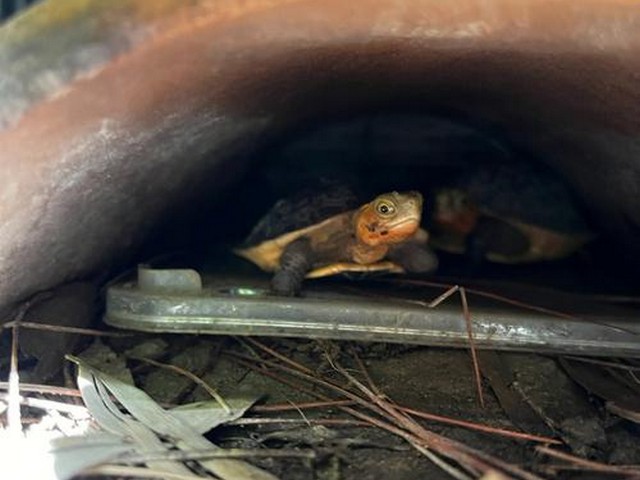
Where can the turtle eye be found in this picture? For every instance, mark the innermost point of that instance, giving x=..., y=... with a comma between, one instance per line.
x=385, y=209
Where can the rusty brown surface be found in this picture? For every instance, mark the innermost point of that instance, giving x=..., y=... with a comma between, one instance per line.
x=91, y=158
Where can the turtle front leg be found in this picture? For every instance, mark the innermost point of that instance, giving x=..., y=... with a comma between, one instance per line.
x=296, y=260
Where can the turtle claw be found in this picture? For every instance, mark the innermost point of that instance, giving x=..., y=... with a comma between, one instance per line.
x=284, y=284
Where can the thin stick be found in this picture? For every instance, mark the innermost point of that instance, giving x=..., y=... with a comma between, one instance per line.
x=279, y=356
x=486, y=294
x=13, y=403
x=421, y=432
x=443, y=297
x=365, y=373
x=67, y=329
x=191, y=376
x=50, y=389
x=284, y=407
x=202, y=454
x=604, y=363
x=414, y=440
x=416, y=434
x=480, y=427
x=418, y=413
x=588, y=464
x=472, y=345
x=40, y=403
x=454, y=472
x=509, y=301
x=281, y=421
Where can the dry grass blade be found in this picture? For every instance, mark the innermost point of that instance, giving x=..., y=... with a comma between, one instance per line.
x=151, y=428
x=121, y=471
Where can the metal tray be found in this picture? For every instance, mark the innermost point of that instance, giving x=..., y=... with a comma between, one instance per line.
x=176, y=301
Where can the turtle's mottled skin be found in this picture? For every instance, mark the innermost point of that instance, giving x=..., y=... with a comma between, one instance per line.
x=315, y=235
x=508, y=213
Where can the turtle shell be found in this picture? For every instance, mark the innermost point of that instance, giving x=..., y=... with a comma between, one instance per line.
x=291, y=218
x=528, y=193
x=307, y=208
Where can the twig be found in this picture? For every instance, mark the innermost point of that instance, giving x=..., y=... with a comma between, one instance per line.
x=284, y=407
x=311, y=421
x=441, y=298
x=13, y=403
x=604, y=363
x=13, y=407
x=406, y=428
x=481, y=428
x=486, y=294
x=507, y=300
x=66, y=329
x=50, y=389
x=279, y=356
x=434, y=440
x=365, y=373
x=418, y=413
x=198, y=454
x=391, y=428
x=194, y=378
x=472, y=345
x=451, y=470
x=43, y=404
x=589, y=464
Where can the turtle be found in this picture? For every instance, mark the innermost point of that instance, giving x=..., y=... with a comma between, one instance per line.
x=316, y=234
x=513, y=213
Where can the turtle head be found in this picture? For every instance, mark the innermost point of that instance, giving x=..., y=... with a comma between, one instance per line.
x=453, y=211
x=390, y=218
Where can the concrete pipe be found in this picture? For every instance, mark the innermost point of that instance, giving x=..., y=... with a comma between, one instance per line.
x=113, y=113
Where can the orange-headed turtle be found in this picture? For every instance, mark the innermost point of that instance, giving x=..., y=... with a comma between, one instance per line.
x=317, y=234
x=508, y=213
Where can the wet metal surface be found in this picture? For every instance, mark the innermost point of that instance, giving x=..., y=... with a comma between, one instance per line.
x=248, y=309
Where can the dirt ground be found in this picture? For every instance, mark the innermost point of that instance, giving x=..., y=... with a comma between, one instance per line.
x=534, y=395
